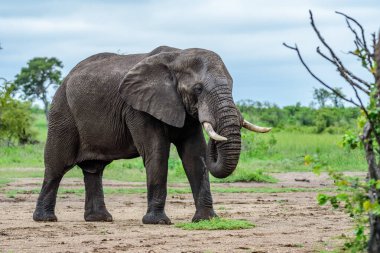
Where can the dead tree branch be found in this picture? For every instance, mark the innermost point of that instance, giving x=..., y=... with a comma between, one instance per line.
x=361, y=41
x=343, y=71
x=295, y=48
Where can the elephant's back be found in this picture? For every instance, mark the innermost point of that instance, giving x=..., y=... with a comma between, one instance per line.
x=103, y=67
x=94, y=82
x=93, y=97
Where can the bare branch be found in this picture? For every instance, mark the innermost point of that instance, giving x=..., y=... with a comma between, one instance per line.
x=373, y=35
x=360, y=101
x=357, y=38
x=350, y=74
x=344, y=72
x=324, y=56
x=295, y=48
x=47, y=86
x=362, y=40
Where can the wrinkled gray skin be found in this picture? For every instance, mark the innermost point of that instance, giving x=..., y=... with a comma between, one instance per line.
x=123, y=106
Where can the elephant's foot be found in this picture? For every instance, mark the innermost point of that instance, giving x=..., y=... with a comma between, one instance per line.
x=156, y=218
x=98, y=215
x=204, y=214
x=41, y=215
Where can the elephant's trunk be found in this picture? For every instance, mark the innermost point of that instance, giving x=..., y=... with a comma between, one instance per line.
x=223, y=156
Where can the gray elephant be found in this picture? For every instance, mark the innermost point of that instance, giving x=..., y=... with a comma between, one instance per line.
x=123, y=106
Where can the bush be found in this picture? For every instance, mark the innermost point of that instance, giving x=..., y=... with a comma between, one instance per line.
x=15, y=118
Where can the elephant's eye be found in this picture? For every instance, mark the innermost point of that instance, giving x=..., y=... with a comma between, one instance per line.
x=198, y=88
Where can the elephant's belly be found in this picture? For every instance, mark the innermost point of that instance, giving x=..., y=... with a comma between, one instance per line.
x=106, y=145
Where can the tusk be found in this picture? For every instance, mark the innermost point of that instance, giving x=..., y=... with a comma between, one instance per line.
x=255, y=128
x=213, y=135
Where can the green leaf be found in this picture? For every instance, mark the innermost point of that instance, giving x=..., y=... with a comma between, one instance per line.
x=342, y=197
x=377, y=185
x=322, y=199
x=334, y=202
x=308, y=159
x=367, y=205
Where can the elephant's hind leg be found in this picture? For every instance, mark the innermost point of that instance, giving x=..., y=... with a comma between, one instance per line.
x=59, y=157
x=46, y=200
x=60, y=153
x=95, y=208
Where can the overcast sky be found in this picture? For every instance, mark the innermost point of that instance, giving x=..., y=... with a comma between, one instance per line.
x=248, y=35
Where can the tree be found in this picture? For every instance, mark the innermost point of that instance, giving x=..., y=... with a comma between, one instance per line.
x=15, y=116
x=322, y=96
x=369, y=58
x=35, y=80
x=335, y=99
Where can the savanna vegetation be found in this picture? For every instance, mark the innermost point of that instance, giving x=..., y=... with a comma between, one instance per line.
x=281, y=150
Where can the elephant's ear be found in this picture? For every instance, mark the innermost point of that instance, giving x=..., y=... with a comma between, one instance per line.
x=151, y=86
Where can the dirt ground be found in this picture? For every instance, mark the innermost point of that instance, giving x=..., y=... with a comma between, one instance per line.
x=285, y=222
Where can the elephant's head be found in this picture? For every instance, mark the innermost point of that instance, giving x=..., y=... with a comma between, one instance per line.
x=173, y=82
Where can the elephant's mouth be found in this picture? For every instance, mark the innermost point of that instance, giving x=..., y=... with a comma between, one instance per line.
x=223, y=150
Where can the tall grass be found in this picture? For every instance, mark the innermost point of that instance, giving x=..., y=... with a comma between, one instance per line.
x=284, y=151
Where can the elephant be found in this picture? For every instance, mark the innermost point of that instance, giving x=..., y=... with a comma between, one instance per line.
x=113, y=106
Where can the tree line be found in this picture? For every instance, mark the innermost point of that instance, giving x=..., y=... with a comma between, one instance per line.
x=331, y=119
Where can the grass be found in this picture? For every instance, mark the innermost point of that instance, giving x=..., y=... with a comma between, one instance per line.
x=29, y=156
x=284, y=151
x=285, y=155
x=4, y=181
x=245, y=175
x=216, y=224
x=261, y=154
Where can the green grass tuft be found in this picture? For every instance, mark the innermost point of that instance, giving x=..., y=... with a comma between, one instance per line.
x=247, y=175
x=216, y=224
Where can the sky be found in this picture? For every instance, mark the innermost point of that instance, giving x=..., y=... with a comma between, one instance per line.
x=247, y=34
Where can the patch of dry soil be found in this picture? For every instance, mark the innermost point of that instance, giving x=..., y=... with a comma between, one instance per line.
x=285, y=222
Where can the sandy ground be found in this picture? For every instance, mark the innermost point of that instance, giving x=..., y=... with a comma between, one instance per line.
x=285, y=222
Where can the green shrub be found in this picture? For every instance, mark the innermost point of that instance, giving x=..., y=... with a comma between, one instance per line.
x=15, y=118
x=352, y=196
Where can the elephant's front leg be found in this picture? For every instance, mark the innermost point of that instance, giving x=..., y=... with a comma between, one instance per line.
x=156, y=164
x=192, y=151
